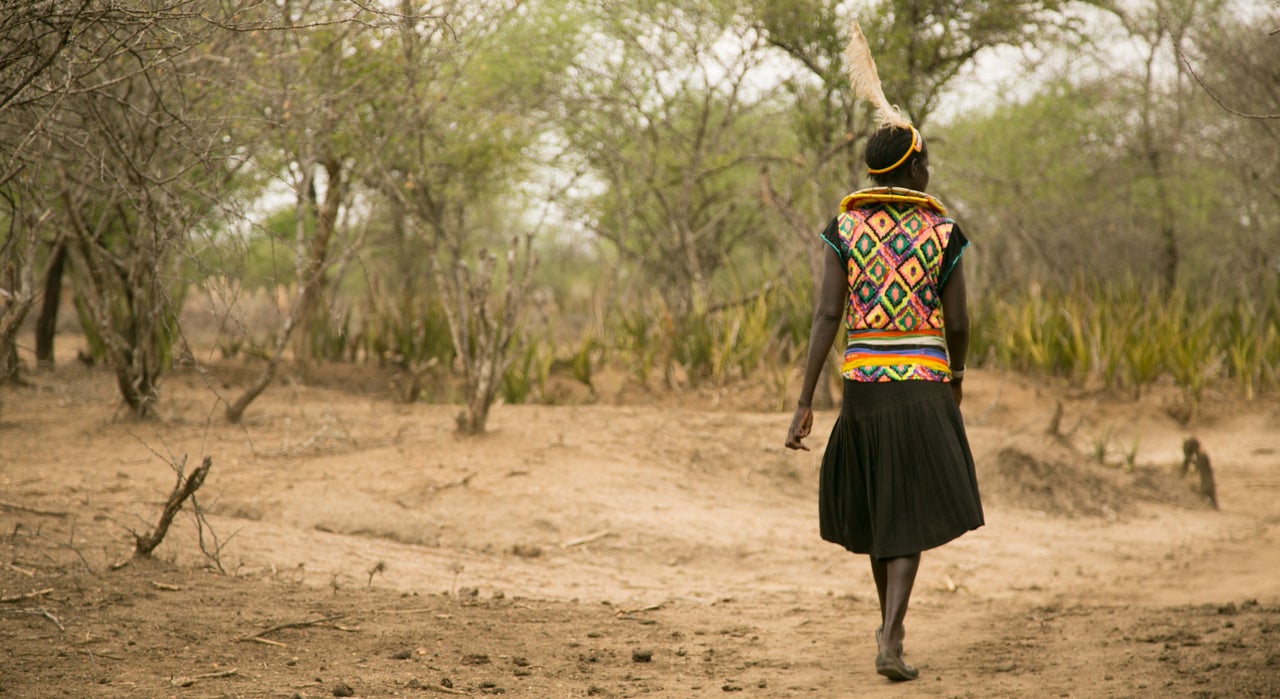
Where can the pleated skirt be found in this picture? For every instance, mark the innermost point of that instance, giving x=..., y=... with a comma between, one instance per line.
x=897, y=475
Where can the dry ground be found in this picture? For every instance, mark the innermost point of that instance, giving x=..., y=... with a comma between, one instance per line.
x=667, y=548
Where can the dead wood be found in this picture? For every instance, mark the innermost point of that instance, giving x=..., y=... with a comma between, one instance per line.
x=586, y=539
x=29, y=595
x=183, y=489
x=1193, y=454
x=439, y=688
x=41, y=611
x=23, y=508
x=188, y=681
x=258, y=637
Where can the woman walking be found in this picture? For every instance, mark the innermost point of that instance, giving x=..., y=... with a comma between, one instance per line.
x=897, y=475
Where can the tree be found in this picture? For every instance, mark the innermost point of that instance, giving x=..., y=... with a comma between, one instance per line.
x=140, y=160
x=18, y=261
x=41, y=54
x=664, y=115
x=308, y=89
x=1234, y=60
x=1140, y=177
x=458, y=132
x=1160, y=29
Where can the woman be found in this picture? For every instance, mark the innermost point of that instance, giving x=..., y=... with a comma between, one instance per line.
x=897, y=476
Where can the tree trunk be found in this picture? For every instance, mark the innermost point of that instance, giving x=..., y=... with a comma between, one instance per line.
x=9, y=356
x=314, y=280
x=47, y=321
x=235, y=411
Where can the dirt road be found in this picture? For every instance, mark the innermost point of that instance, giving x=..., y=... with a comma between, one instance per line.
x=668, y=549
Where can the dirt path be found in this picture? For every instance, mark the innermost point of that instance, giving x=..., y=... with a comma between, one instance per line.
x=668, y=550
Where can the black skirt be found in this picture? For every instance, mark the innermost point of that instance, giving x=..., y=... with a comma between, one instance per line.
x=897, y=476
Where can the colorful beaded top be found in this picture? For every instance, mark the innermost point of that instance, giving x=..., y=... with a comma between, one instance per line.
x=898, y=247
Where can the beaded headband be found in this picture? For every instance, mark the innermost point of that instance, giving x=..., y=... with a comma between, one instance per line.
x=917, y=145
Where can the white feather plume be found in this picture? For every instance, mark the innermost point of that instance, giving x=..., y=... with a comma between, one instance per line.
x=866, y=79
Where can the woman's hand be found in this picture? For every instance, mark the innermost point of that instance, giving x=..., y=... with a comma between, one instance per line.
x=801, y=424
x=957, y=390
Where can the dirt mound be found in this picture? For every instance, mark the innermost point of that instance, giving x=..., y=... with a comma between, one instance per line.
x=1049, y=476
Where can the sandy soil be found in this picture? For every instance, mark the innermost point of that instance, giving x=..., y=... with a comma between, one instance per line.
x=667, y=547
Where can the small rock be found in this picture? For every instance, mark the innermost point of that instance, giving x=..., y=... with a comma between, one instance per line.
x=475, y=659
x=446, y=683
x=342, y=689
x=520, y=661
x=641, y=656
x=402, y=655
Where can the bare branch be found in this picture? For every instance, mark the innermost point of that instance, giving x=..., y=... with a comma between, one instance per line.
x=1208, y=91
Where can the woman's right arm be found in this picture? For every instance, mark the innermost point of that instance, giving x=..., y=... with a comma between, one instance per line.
x=955, y=316
x=827, y=314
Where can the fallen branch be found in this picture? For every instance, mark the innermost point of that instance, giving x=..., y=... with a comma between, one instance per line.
x=92, y=654
x=29, y=595
x=586, y=539
x=183, y=489
x=627, y=612
x=165, y=586
x=459, y=483
x=32, y=510
x=290, y=625
x=442, y=689
x=49, y=615
x=188, y=681
x=41, y=612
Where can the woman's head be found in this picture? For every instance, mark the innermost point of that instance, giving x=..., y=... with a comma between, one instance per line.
x=896, y=156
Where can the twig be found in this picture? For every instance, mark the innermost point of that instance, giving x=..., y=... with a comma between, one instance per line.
x=291, y=625
x=443, y=689
x=165, y=586
x=41, y=612
x=733, y=303
x=267, y=642
x=424, y=610
x=92, y=654
x=29, y=595
x=49, y=615
x=32, y=510
x=586, y=539
x=1178, y=50
x=459, y=483
x=1055, y=423
x=202, y=525
x=650, y=608
x=188, y=681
